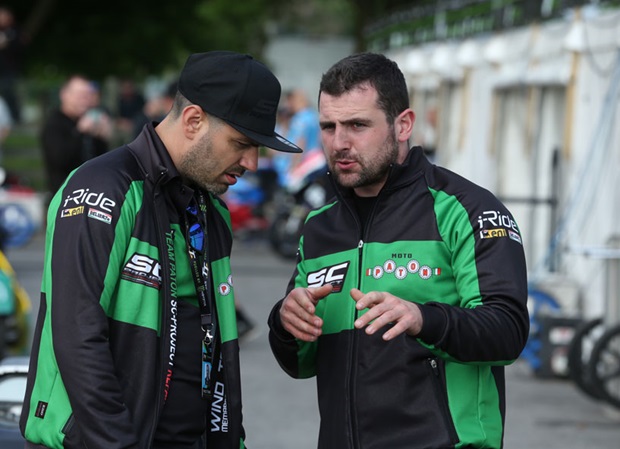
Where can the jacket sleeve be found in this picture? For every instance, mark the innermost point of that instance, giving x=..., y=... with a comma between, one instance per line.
x=291, y=354
x=283, y=344
x=85, y=225
x=491, y=323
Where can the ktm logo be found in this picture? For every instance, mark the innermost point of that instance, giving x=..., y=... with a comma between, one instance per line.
x=334, y=275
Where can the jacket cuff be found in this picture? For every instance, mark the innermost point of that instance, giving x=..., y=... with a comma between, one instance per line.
x=434, y=322
x=277, y=329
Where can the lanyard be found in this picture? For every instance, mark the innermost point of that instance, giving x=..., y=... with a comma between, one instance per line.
x=197, y=247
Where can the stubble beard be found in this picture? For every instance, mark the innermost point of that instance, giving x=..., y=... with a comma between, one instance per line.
x=200, y=167
x=371, y=171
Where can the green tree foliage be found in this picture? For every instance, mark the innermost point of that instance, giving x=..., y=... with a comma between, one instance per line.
x=134, y=37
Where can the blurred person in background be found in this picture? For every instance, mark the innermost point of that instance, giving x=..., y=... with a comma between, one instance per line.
x=6, y=124
x=410, y=290
x=97, y=125
x=156, y=108
x=75, y=132
x=305, y=132
x=281, y=162
x=129, y=108
x=12, y=45
x=303, y=127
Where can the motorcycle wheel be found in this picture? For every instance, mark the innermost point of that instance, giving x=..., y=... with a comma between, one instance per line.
x=282, y=241
x=579, y=353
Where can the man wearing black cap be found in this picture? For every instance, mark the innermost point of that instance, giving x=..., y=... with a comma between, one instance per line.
x=135, y=344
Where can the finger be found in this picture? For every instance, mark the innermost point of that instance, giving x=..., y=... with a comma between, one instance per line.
x=303, y=336
x=399, y=328
x=367, y=300
x=300, y=308
x=296, y=319
x=385, y=318
x=356, y=294
x=303, y=331
x=301, y=298
x=321, y=292
x=374, y=318
x=301, y=328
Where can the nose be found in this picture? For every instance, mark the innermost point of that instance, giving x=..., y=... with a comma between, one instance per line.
x=249, y=161
x=341, y=138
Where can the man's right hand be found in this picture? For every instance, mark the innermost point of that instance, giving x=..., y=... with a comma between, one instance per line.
x=297, y=313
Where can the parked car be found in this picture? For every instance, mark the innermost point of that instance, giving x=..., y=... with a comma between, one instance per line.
x=13, y=373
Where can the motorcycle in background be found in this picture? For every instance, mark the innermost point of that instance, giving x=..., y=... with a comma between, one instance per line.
x=248, y=201
x=14, y=311
x=307, y=187
x=21, y=211
x=21, y=214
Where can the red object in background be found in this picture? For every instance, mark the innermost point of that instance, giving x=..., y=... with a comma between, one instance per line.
x=242, y=218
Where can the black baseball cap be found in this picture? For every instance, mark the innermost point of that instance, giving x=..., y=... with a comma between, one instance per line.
x=239, y=90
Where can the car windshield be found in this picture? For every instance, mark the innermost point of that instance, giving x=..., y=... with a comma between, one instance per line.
x=12, y=389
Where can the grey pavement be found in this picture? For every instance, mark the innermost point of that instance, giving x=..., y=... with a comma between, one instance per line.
x=280, y=412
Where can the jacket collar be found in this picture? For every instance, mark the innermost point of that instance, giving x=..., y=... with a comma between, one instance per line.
x=157, y=164
x=412, y=168
x=153, y=156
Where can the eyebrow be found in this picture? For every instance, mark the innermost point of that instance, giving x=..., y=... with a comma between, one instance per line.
x=347, y=122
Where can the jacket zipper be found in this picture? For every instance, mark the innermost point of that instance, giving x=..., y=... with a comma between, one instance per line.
x=354, y=344
x=352, y=366
x=167, y=295
x=440, y=394
x=360, y=246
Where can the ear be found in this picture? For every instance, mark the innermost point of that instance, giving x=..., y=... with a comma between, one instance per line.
x=403, y=125
x=193, y=120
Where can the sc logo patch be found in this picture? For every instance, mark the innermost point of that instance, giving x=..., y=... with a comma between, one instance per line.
x=143, y=270
x=334, y=275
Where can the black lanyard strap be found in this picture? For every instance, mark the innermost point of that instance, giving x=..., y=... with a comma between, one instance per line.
x=197, y=247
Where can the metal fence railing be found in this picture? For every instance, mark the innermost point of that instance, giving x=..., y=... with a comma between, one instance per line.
x=457, y=19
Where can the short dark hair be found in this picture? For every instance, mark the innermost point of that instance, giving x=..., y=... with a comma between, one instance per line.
x=375, y=69
x=180, y=103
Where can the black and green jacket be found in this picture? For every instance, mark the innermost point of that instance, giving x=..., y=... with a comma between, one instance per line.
x=446, y=244
x=116, y=264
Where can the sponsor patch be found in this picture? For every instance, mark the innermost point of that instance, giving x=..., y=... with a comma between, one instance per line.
x=41, y=409
x=224, y=288
x=376, y=272
x=71, y=212
x=400, y=272
x=334, y=275
x=496, y=219
x=493, y=233
x=494, y=224
x=514, y=236
x=99, y=215
x=389, y=266
x=143, y=270
x=85, y=196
